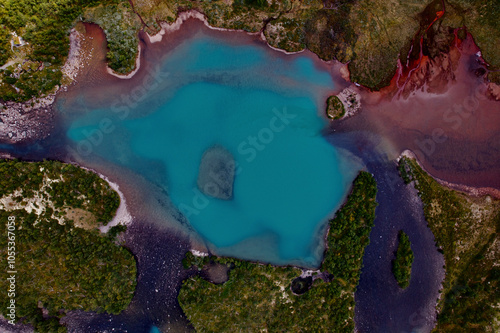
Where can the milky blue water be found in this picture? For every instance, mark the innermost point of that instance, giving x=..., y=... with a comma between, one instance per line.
x=154, y=329
x=262, y=108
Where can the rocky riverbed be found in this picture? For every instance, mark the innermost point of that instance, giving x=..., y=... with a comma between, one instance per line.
x=31, y=120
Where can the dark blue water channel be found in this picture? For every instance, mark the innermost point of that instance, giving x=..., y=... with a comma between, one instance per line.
x=210, y=92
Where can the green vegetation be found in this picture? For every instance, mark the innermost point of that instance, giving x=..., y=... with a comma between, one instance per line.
x=370, y=35
x=251, y=3
x=301, y=285
x=61, y=267
x=59, y=188
x=121, y=26
x=258, y=296
x=405, y=170
x=467, y=231
x=401, y=265
x=287, y=30
x=334, y=108
x=45, y=26
x=116, y=230
x=480, y=17
x=4, y=45
x=286, y=33
x=382, y=29
x=191, y=260
x=330, y=34
x=350, y=232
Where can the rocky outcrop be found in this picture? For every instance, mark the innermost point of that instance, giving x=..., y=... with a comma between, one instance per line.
x=26, y=121
x=34, y=119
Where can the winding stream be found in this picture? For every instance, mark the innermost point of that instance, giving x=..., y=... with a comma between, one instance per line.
x=204, y=88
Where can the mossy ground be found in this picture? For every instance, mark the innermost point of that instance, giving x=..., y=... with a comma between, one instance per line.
x=334, y=108
x=5, y=51
x=467, y=231
x=45, y=26
x=56, y=187
x=121, y=26
x=61, y=267
x=258, y=297
x=369, y=34
x=401, y=265
x=480, y=17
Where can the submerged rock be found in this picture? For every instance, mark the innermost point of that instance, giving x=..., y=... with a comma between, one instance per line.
x=216, y=173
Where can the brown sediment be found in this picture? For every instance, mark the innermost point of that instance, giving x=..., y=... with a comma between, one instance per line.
x=182, y=17
x=472, y=191
x=406, y=72
x=95, y=73
x=446, y=118
x=469, y=190
x=431, y=75
x=93, y=51
x=444, y=96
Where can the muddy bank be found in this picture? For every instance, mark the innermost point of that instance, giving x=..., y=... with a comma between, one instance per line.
x=469, y=190
x=95, y=74
x=454, y=132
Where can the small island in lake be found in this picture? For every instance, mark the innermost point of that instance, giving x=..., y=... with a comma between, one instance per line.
x=401, y=265
x=232, y=132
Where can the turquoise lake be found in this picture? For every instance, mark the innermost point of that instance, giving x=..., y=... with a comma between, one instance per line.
x=262, y=107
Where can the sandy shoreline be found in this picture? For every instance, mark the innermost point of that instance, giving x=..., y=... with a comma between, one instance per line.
x=165, y=30
x=75, y=58
x=122, y=215
x=469, y=190
x=131, y=74
x=73, y=63
x=181, y=18
x=263, y=38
